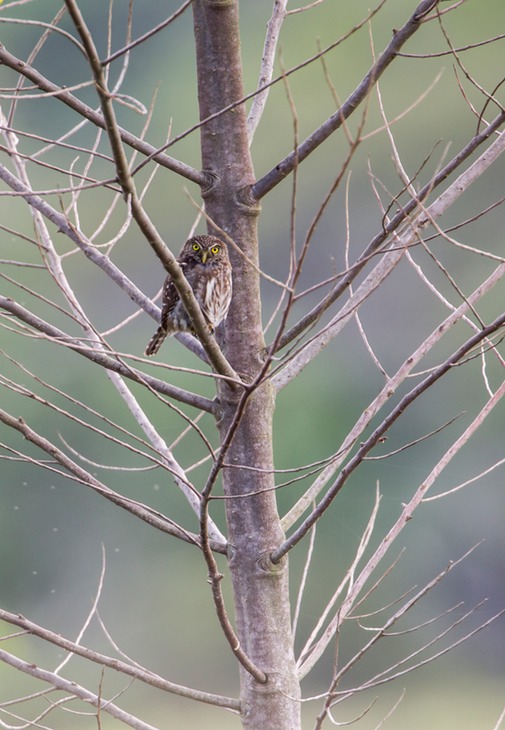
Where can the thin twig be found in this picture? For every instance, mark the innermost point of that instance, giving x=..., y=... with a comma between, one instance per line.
x=50, y=332
x=380, y=431
x=143, y=675
x=345, y=609
x=148, y=34
x=19, y=66
x=379, y=240
x=168, y=259
x=424, y=218
x=75, y=690
x=267, y=66
x=246, y=97
x=321, y=134
x=76, y=472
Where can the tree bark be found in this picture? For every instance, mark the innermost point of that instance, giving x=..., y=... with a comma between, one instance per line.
x=260, y=589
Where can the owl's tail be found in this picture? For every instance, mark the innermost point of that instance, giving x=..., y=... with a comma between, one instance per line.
x=155, y=342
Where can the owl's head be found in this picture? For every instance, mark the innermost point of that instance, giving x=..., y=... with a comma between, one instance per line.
x=205, y=250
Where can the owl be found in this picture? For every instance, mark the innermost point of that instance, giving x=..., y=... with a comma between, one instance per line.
x=205, y=263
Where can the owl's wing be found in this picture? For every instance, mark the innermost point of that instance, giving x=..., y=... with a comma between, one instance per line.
x=170, y=299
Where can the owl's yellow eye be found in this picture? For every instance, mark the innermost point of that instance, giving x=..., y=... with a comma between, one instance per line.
x=196, y=247
x=215, y=249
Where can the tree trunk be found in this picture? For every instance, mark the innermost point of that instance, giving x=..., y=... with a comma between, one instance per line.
x=261, y=594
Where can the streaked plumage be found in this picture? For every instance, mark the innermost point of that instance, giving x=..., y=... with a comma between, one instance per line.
x=205, y=263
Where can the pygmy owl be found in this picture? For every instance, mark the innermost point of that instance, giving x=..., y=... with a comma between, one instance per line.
x=205, y=263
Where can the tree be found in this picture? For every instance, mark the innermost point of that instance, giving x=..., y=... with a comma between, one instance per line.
x=83, y=209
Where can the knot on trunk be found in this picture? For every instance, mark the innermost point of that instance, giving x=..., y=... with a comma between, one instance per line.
x=268, y=567
x=247, y=202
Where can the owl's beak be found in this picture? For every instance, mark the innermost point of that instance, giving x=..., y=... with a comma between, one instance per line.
x=204, y=256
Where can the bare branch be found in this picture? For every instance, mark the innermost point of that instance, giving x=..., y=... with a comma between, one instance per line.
x=142, y=511
x=234, y=104
x=320, y=135
x=125, y=178
x=347, y=581
x=99, y=357
x=215, y=576
x=308, y=661
x=390, y=260
x=96, y=118
x=500, y=720
x=376, y=682
x=149, y=34
x=453, y=51
x=91, y=252
x=418, y=498
x=51, y=27
x=143, y=675
x=304, y=8
x=166, y=455
x=228, y=460
x=378, y=241
x=303, y=581
x=393, y=415
x=267, y=66
x=55, y=268
x=75, y=690
x=476, y=478
x=414, y=442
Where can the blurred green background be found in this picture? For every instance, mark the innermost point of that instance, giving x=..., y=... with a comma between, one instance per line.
x=156, y=602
